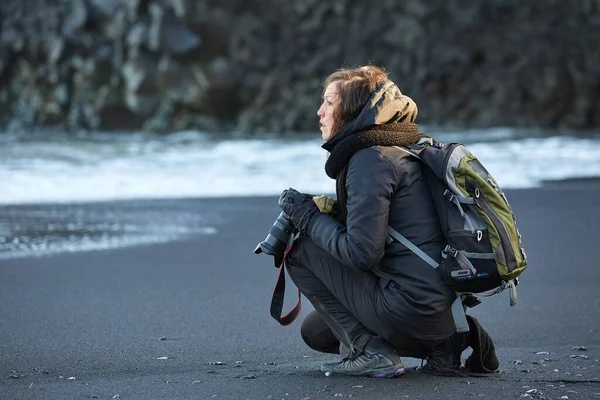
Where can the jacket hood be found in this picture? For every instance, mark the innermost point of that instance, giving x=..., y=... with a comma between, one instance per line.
x=386, y=105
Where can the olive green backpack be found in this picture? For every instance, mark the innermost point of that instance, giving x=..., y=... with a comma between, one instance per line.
x=484, y=254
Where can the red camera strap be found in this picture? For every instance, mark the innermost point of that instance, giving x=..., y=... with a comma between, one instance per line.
x=279, y=294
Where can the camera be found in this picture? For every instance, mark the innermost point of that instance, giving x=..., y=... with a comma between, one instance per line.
x=277, y=239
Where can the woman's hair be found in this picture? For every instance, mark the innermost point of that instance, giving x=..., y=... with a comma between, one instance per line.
x=356, y=85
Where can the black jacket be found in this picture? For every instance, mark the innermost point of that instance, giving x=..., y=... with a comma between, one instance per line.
x=386, y=186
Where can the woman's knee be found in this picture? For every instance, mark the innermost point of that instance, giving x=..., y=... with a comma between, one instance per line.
x=316, y=334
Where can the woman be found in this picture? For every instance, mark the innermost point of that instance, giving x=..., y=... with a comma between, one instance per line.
x=374, y=299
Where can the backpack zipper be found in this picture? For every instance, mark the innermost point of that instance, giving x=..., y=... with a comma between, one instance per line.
x=482, y=202
x=501, y=193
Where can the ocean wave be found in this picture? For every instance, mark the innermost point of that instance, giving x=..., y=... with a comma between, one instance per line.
x=98, y=167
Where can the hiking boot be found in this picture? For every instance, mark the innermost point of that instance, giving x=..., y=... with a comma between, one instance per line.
x=444, y=358
x=371, y=362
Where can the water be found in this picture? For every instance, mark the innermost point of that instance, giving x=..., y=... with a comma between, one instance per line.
x=56, y=174
x=65, y=169
x=59, y=228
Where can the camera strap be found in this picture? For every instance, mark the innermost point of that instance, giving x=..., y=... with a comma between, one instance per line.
x=279, y=293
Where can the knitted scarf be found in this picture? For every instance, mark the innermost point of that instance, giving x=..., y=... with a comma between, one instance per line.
x=336, y=167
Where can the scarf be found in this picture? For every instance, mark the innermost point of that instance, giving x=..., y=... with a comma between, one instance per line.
x=336, y=167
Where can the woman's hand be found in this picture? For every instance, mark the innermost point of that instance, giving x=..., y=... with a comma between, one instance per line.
x=300, y=208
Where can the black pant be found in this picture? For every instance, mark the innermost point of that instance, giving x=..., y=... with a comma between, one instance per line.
x=350, y=307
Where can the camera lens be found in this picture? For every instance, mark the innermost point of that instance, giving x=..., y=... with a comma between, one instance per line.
x=277, y=239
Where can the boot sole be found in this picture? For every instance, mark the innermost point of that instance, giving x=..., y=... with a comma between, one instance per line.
x=395, y=374
x=449, y=372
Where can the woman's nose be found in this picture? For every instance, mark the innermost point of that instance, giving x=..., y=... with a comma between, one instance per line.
x=320, y=112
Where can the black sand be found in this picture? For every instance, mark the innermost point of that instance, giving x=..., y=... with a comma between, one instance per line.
x=99, y=316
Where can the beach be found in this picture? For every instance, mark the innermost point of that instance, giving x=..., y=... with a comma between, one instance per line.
x=189, y=318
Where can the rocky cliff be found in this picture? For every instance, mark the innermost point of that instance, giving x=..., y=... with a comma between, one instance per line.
x=258, y=64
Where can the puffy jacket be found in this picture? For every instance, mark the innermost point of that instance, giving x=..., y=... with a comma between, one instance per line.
x=385, y=186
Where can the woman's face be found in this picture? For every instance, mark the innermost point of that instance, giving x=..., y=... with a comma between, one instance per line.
x=325, y=112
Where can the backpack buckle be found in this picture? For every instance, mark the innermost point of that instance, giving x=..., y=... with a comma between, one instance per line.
x=469, y=300
x=449, y=195
x=448, y=250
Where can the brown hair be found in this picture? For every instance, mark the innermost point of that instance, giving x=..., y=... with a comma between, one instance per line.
x=356, y=85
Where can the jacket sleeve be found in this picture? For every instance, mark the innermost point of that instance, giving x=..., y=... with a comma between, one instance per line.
x=370, y=183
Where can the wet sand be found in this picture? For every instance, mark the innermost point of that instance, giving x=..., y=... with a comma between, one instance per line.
x=190, y=318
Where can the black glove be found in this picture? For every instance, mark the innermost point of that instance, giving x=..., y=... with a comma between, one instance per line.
x=300, y=208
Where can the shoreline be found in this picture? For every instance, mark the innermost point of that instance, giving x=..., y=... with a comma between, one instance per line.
x=53, y=234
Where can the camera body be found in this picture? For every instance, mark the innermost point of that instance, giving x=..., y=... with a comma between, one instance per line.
x=277, y=239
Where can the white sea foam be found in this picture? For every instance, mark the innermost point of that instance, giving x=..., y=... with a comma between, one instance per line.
x=65, y=169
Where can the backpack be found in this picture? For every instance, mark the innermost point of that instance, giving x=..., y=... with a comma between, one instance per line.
x=484, y=253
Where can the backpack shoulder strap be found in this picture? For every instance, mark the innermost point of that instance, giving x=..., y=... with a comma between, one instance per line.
x=415, y=149
x=458, y=310
x=409, y=151
x=411, y=246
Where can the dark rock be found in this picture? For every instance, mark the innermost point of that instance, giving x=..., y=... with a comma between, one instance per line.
x=177, y=39
x=104, y=8
x=257, y=65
